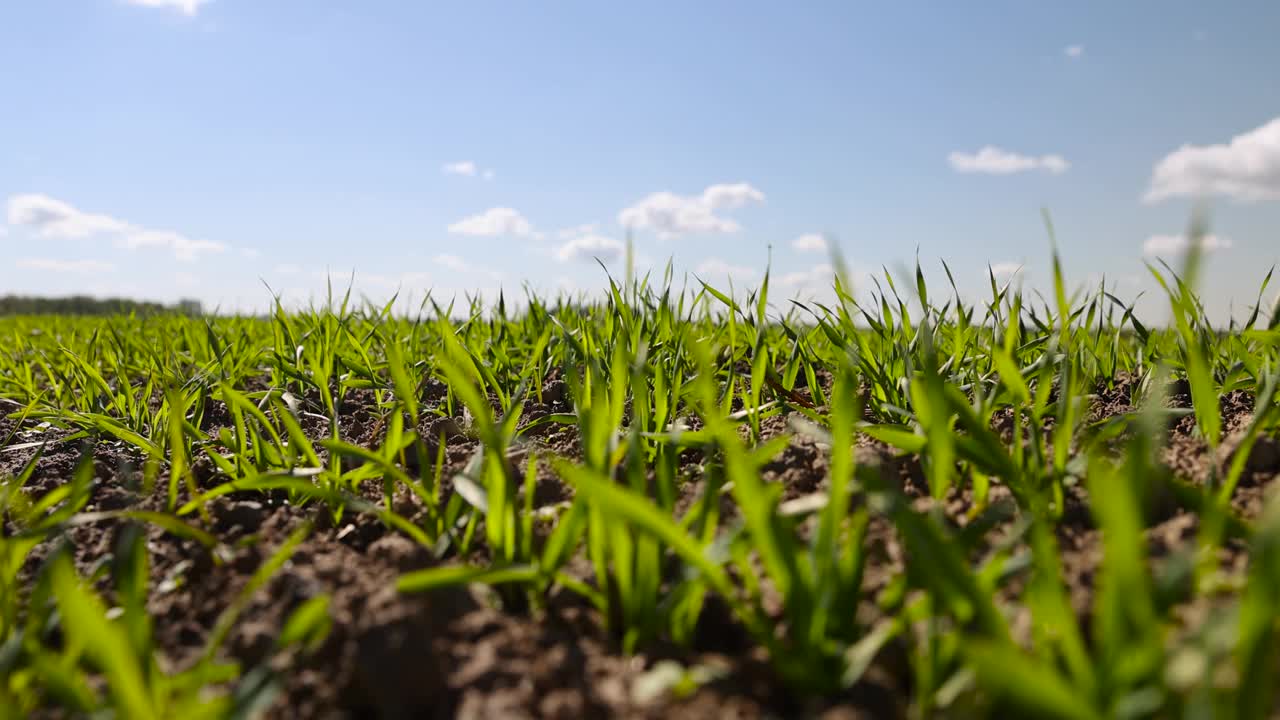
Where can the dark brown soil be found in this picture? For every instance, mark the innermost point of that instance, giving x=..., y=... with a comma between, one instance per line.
x=456, y=654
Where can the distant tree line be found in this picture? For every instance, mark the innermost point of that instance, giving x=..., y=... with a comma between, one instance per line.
x=85, y=305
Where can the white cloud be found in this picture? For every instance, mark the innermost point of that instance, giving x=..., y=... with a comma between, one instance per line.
x=575, y=231
x=410, y=281
x=1246, y=169
x=671, y=215
x=1166, y=245
x=810, y=242
x=184, y=249
x=718, y=267
x=70, y=267
x=466, y=168
x=1073, y=51
x=818, y=277
x=251, y=253
x=340, y=280
x=493, y=222
x=52, y=218
x=452, y=262
x=115, y=289
x=817, y=283
x=731, y=195
x=186, y=7
x=455, y=264
x=590, y=246
x=995, y=161
x=1006, y=269
x=300, y=285
x=55, y=219
x=185, y=279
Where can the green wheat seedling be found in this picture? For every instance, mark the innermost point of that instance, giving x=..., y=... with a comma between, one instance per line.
x=636, y=452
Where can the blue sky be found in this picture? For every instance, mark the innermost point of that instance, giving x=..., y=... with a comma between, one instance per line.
x=187, y=148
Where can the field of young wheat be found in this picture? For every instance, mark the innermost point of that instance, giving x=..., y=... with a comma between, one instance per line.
x=674, y=501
